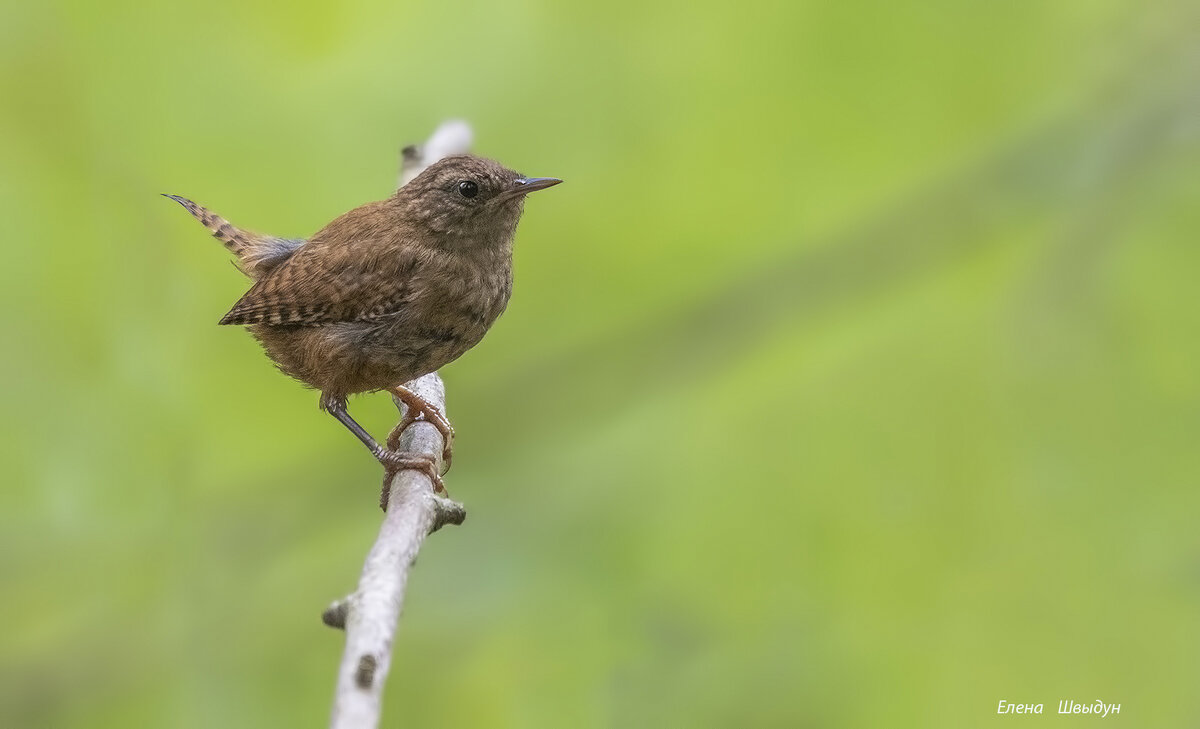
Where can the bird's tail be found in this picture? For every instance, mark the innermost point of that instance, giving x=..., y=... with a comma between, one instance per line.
x=257, y=254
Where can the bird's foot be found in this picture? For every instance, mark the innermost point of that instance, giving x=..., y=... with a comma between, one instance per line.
x=396, y=461
x=418, y=408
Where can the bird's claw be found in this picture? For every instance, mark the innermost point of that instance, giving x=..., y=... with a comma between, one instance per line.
x=396, y=461
x=416, y=408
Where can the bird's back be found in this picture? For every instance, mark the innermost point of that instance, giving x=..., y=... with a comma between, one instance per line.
x=355, y=268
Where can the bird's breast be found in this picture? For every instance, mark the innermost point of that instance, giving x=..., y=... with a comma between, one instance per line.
x=453, y=307
x=480, y=297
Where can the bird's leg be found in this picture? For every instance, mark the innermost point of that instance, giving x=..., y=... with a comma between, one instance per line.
x=418, y=408
x=392, y=461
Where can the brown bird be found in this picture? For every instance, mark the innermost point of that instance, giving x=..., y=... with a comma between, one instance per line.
x=386, y=293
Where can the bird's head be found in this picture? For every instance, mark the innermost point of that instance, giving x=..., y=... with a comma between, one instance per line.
x=469, y=200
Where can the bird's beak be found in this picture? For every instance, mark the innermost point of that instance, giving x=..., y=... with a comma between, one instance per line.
x=529, y=184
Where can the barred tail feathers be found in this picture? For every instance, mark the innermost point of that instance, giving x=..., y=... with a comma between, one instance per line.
x=257, y=254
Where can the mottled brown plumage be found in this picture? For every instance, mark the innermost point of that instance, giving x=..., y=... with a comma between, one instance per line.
x=388, y=292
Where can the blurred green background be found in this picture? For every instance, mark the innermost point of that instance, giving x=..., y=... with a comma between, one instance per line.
x=850, y=380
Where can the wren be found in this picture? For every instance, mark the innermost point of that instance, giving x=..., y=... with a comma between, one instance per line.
x=386, y=293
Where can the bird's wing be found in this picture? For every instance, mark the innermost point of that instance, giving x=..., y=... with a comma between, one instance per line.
x=323, y=282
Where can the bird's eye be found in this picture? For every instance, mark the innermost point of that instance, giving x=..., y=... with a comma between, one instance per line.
x=468, y=188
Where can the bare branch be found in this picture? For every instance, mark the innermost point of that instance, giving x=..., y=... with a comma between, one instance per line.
x=370, y=615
